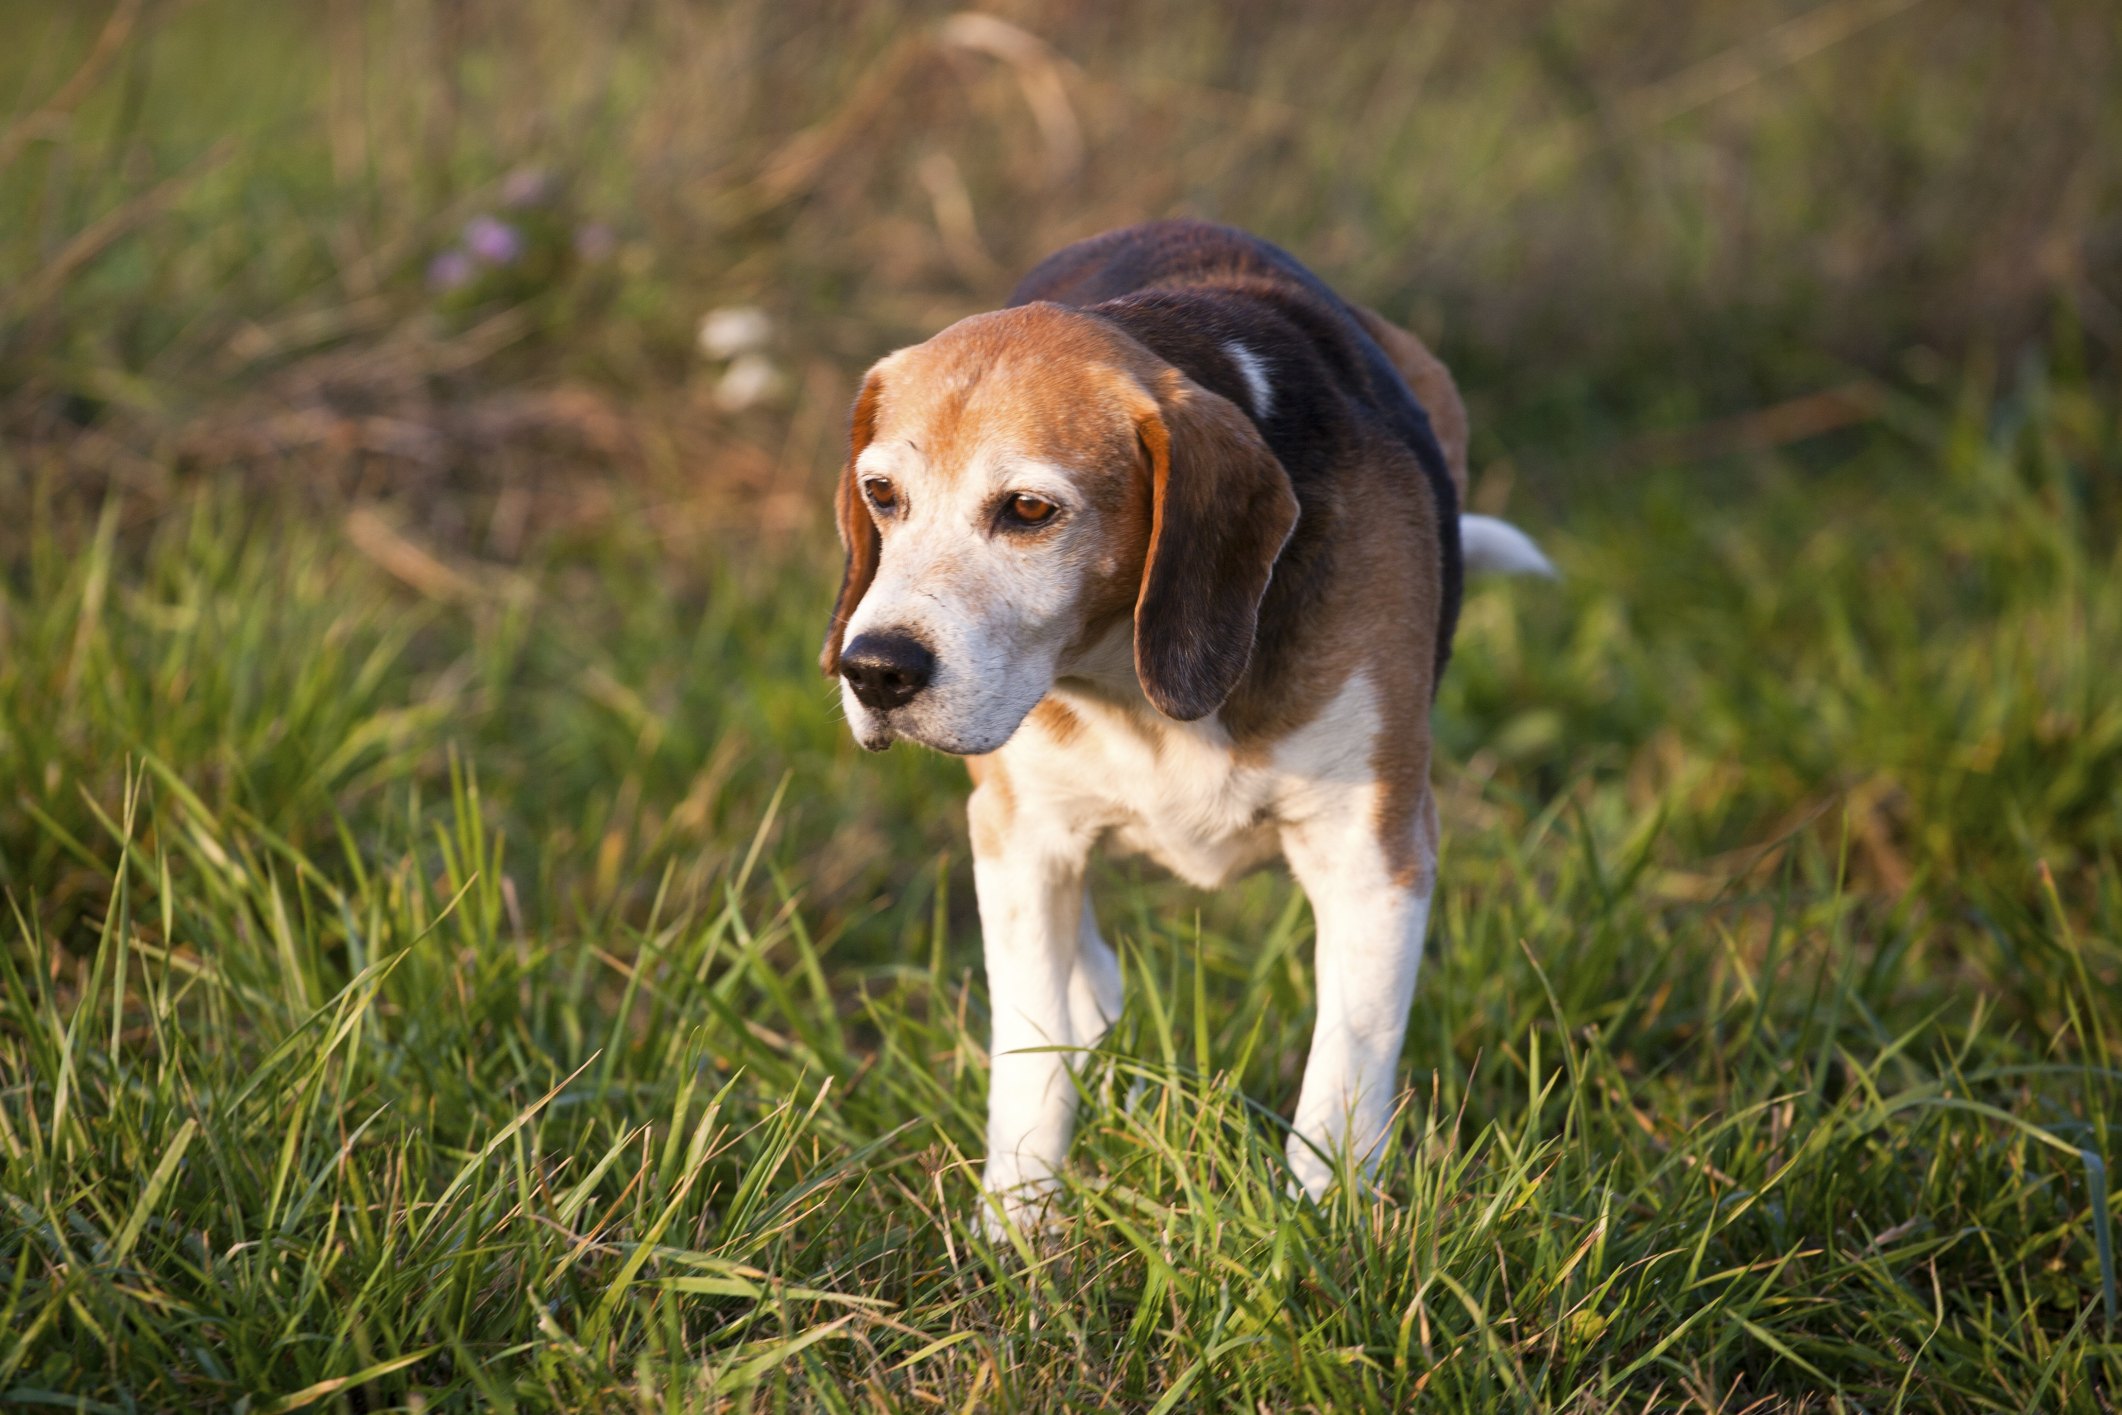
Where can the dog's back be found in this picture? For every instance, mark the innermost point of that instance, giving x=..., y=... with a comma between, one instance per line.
x=1243, y=318
x=1250, y=323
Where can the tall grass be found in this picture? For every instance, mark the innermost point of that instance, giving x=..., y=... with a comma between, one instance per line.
x=530, y=998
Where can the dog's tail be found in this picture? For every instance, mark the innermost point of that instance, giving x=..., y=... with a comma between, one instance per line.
x=1492, y=546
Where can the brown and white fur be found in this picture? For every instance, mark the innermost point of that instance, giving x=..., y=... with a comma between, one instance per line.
x=1171, y=549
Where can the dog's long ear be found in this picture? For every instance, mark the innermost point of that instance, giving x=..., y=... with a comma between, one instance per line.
x=1221, y=509
x=857, y=531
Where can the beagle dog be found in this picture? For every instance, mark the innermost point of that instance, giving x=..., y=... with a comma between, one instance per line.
x=1170, y=550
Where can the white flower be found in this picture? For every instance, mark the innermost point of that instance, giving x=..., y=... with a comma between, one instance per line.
x=750, y=380
x=738, y=329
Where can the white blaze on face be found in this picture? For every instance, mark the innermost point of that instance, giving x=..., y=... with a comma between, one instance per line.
x=995, y=605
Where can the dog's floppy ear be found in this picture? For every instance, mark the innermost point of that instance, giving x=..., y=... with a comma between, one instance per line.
x=857, y=531
x=1221, y=509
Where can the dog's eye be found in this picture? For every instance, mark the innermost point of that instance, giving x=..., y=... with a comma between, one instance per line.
x=1028, y=510
x=882, y=494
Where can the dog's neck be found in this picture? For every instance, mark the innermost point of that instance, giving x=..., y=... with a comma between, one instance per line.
x=1102, y=676
x=1105, y=668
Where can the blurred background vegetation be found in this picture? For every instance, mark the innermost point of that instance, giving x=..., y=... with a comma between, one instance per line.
x=1616, y=219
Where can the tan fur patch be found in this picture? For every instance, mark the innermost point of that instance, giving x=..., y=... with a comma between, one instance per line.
x=1432, y=385
x=1054, y=717
x=992, y=805
x=948, y=396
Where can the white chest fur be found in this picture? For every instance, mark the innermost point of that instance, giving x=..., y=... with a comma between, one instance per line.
x=1182, y=792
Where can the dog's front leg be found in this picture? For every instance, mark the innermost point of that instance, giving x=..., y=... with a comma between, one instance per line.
x=1028, y=872
x=1370, y=912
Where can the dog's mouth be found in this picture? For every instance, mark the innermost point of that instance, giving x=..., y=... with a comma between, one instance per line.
x=952, y=744
x=877, y=737
x=882, y=729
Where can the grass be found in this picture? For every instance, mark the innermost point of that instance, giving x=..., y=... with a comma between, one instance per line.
x=453, y=956
x=533, y=999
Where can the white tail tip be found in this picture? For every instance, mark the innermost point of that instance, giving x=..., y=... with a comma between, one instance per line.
x=1489, y=545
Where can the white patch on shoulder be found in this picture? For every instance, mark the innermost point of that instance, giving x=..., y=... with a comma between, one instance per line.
x=1256, y=382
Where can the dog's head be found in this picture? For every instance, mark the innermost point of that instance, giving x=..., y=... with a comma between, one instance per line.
x=1015, y=489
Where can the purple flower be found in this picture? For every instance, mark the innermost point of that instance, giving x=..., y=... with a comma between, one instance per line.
x=451, y=270
x=491, y=241
x=595, y=242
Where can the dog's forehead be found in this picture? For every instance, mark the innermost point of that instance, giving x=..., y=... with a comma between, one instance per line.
x=1039, y=381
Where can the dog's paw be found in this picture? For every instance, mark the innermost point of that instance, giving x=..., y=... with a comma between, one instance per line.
x=1311, y=1173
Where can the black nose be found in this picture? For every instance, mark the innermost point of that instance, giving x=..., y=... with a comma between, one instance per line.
x=886, y=670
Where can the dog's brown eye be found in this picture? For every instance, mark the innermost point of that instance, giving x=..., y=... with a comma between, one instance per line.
x=882, y=494
x=1031, y=510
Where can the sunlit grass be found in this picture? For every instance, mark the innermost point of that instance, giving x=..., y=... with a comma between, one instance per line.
x=531, y=997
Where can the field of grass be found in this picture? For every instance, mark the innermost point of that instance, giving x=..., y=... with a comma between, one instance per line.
x=454, y=957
